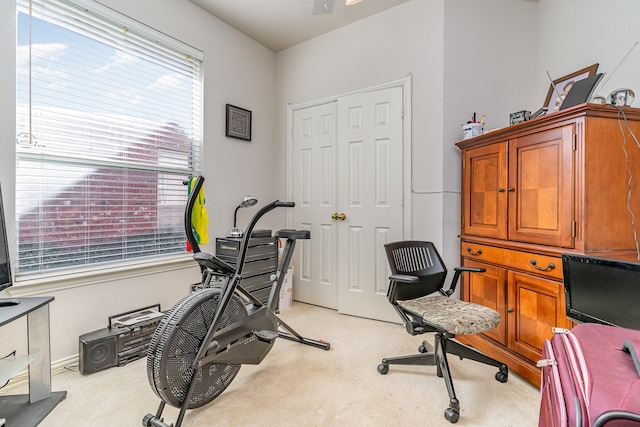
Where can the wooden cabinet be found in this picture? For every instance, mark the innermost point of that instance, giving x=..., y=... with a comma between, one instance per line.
x=521, y=189
x=540, y=187
x=484, y=183
x=531, y=192
x=535, y=306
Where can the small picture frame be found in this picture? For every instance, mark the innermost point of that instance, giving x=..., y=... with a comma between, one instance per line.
x=238, y=124
x=556, y=96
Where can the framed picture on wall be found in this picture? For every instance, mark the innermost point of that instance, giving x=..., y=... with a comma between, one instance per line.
x=238, y=123
x=560, y=87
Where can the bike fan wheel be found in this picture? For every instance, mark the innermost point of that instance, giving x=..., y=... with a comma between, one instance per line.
x=175, y=344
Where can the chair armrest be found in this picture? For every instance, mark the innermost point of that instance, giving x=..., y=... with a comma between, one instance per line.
x=394, y=281
x=404, y=278
x=456, y=277
x=470, y=269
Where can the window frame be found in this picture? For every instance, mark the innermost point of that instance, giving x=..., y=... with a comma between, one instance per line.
x=76, y=276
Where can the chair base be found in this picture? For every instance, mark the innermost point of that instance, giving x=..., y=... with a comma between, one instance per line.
x=438, y=357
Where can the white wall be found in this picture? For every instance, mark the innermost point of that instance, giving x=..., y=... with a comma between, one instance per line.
x=489, y=65
x=404, y=40
x=237, y=70
x=455, y=52
x=574, y=34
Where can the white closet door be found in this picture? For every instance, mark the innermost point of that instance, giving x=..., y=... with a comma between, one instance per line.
x=347, y=171
x=315, y=194
x=370, y=171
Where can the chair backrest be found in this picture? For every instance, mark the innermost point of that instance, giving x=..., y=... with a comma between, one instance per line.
x=416, y=258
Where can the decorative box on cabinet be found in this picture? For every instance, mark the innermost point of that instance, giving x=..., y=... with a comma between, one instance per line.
x=529, y=193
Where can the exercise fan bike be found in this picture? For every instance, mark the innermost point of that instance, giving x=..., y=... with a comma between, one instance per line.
x=202, y=341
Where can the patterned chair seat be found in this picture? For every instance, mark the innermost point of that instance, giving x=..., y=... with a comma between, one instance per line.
x=454, y=316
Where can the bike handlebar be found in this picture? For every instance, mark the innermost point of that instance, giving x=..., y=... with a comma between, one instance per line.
x=285, y=204
x=252, y=223
x=247, y=235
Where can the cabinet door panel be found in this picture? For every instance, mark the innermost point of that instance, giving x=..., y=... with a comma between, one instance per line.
x=488, y=289
x=541, y=187
x=485, y=200
x=535, y=306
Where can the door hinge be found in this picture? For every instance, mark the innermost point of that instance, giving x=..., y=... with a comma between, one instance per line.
x=575, y=142
x=464, y=163
x=573, y=229
x=402, y=112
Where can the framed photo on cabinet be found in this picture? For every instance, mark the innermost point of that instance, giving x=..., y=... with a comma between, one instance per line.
x=561, y=87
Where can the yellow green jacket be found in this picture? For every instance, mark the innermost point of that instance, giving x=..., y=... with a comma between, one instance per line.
x=199, y=216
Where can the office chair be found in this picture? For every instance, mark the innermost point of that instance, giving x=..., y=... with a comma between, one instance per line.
x=417, y=272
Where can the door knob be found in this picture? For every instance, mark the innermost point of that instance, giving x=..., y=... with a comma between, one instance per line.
x=338, y=216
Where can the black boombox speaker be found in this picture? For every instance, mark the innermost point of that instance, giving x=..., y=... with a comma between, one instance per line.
x=128, y=331
x=98, y=350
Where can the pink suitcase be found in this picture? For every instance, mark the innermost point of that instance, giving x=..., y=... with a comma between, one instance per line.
x=590, y=377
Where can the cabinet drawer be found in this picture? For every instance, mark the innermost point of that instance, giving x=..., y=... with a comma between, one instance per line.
x=254, y=268
x=259, y=248
x=517, y=260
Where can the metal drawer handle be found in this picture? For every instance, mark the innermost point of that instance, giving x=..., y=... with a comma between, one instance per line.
x=476, y=253
x=551, y=266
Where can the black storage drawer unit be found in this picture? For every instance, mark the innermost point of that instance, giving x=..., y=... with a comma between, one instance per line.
x=260, y=263
x=259, y=248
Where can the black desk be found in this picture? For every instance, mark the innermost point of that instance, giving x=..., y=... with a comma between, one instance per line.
x=29, y=410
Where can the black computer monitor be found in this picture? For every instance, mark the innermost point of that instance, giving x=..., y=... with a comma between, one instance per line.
x=5, y=264
x=601, y=290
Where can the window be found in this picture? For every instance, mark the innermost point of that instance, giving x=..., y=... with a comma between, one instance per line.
x=109, y=125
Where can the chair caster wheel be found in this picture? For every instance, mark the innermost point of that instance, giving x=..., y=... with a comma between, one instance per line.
x=503, y=374
x=383, y=368
x=451, y=415
x=425, y=347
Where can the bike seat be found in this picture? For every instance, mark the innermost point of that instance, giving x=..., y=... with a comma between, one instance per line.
x=293, y=234
x=214, y=263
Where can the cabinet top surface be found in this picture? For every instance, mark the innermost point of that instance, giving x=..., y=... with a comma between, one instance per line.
x=550, y=120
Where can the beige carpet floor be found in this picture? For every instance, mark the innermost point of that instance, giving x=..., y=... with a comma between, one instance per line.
x=298, y=385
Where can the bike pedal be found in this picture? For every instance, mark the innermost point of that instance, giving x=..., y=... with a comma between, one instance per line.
x=266, y=335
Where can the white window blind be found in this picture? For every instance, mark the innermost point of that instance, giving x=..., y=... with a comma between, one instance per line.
x=109, y=125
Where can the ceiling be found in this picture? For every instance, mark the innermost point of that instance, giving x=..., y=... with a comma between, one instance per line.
x=279, y=24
